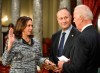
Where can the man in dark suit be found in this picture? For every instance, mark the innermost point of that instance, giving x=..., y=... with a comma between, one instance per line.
x=64, y=19
x=84, y=54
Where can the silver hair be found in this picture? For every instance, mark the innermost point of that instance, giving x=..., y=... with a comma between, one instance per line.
x=84, y=11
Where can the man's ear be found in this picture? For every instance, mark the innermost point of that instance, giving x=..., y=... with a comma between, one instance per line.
x=81, y=18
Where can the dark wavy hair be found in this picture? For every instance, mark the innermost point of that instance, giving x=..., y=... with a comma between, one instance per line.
x=20, y=26
x=11, y=25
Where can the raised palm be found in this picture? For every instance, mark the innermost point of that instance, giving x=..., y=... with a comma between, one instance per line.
x=11, y=38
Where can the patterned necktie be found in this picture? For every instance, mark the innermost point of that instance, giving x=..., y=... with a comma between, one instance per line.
x=60, y=49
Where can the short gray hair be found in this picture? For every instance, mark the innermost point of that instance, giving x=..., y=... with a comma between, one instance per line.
x=84, y=11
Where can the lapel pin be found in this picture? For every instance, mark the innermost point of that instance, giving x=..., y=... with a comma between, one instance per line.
x=72, y=35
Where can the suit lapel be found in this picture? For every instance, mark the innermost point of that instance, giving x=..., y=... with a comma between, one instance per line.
x=56, y=43
x=69, y=39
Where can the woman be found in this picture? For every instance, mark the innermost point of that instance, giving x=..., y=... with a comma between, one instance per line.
x=22, y=51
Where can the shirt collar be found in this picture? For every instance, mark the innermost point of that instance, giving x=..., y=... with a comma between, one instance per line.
x=86, y=26
x=68, y=30
x=32, y=42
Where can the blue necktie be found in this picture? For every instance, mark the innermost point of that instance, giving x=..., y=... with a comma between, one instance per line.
x=60, y=49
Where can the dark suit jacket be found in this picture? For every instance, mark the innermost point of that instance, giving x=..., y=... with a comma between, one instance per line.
x=84, y=54
x=68, y=44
